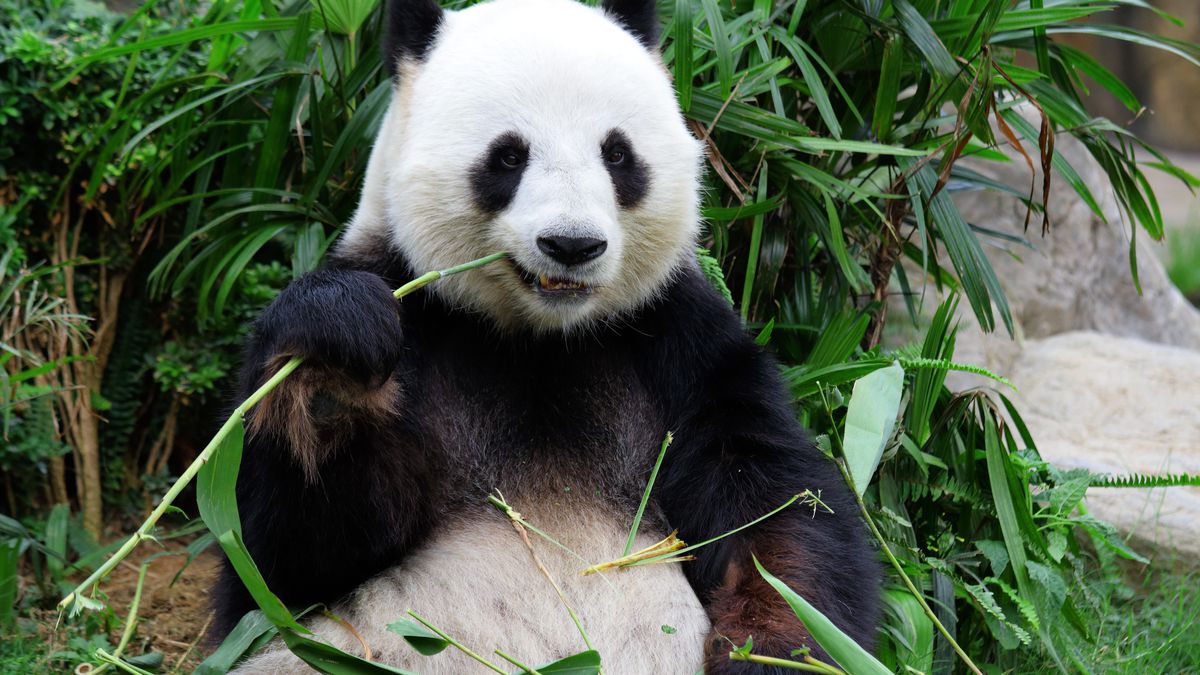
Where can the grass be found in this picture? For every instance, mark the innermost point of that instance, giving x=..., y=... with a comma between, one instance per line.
x=1183, y=260
x=22, y=653
x=1154, y=629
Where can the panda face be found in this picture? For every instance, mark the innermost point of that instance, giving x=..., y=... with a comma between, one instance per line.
x=544, y=129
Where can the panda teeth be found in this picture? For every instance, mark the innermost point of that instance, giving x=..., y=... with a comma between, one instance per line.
x=549, y=283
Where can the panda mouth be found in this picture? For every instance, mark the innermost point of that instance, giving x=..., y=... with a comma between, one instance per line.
x=553, y=287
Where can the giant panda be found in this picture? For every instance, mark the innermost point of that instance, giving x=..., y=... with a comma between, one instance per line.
x=548, y=129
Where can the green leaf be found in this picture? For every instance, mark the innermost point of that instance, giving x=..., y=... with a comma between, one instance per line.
x=870, y=418
x=1005, y=500
x=712, y=271
x=996, y=553
x=888, y=94
x=252, y=627
x=748, y=284
x=816, y=88
x=917, y=651
x=177, y=38
x=839, y=339
x=56, y=539
x=1146, y=481
x=216, y=483
x=840, y=647
x=764, y=336
x=327, y=659
x=1069, y=489
x=10, y=555
x=583, y=663
x=1106, y=534
x=682, y=45
x=420, y=638
x=804, y=381
x=925, y=39
x=343, y=17
x=927, y=385
x=235, y=549
x=277, y=134
x=975, y=272
x=721, y=45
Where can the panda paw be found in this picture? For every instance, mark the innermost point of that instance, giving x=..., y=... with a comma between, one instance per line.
x=342, y=321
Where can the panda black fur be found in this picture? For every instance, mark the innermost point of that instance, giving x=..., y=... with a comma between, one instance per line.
x=551, y=378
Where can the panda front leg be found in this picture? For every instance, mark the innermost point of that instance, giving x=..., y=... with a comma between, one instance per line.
x=741, y=455
x=823, y=556
x=327, y=493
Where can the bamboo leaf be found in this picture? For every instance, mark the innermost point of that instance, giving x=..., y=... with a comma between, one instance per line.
x=330, y=660
x=923, y=37
x=583, y=663
x=721, y=45
x=343, y=17
x=917, y=652
x=253, y=627
x=682, y=46
x=178, y=38
x=418, y=637
x=870, y=419
x=10, y=555
x=841, y=647
x=216, y=484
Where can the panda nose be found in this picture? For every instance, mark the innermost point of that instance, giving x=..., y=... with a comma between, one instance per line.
x=572, y=250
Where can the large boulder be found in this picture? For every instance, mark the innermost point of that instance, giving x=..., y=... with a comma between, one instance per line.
x=1107, y=378
x=1076, y=277
x=1118, y=405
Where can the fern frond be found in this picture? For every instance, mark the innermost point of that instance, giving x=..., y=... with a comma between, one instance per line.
x=1141, y=480
x=712, y=271
x=912, y=363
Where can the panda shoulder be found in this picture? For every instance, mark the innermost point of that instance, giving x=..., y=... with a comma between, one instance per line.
x=379, y=258
x=691, y=304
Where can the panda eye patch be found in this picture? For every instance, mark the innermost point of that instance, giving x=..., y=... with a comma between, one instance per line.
x=630, y=177
x=496, y=175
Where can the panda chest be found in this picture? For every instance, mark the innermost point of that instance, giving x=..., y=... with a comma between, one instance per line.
x=592, y=428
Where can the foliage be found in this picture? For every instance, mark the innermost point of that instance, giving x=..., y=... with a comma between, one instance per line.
x=1183, y=261
x=216, y=152
x=33, y=317
x=63, y=207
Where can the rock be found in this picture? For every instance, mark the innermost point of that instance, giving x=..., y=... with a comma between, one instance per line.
x=1108, y=379
x=1076, y=277
x=1117, y=406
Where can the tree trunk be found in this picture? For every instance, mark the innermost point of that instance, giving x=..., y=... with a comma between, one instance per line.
x=58, y=480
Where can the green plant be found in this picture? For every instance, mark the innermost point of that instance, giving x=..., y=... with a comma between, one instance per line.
x=65, y=208
x=34, y=321
x=1183, y=261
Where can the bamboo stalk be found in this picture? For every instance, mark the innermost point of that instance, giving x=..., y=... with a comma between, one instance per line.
x=455, y=643
x=908, y=583
x=817, y=667
x=143, y=532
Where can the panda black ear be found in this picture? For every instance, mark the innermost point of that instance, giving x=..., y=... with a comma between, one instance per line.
x=639, y=17
x=409, y=30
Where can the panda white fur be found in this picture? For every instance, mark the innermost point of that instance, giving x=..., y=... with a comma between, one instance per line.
x=547, y=129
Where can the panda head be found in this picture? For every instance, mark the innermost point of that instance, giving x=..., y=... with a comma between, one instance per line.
x=544, y=128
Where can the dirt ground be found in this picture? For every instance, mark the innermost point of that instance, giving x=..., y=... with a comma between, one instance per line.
x=173, y=613
x=173, y=616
